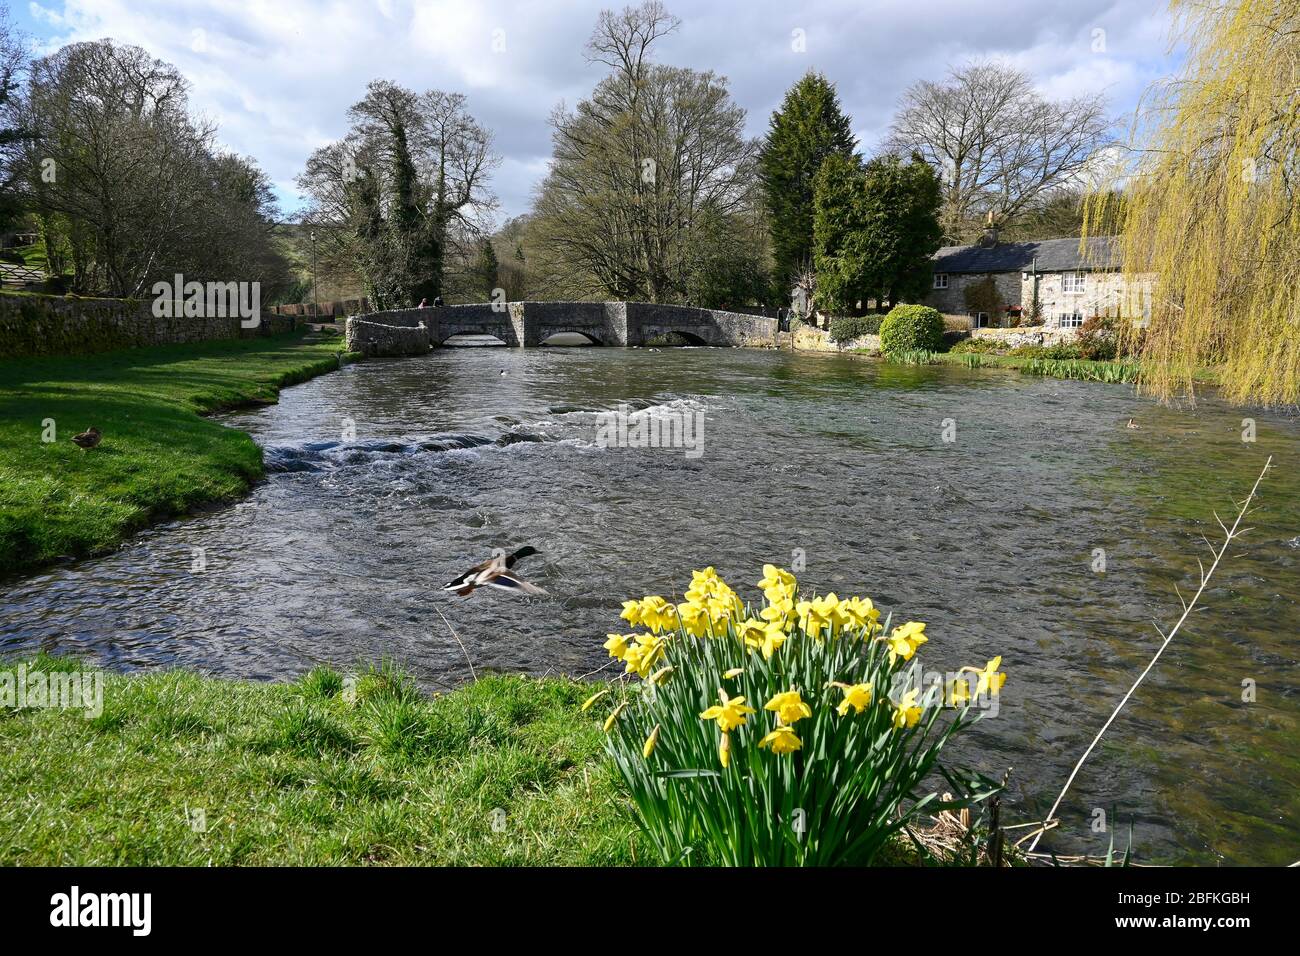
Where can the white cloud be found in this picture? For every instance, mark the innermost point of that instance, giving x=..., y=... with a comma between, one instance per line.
x=278, y=76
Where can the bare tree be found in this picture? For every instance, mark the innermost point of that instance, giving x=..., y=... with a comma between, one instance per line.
x=646, y=176
x=998, y=145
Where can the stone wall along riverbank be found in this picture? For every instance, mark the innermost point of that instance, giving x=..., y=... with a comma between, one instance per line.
x=35, y=325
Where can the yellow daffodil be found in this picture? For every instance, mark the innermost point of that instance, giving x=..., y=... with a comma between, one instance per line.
x=820, y=614
x=647, y=652
x=644, y=655
x=734, y=672
x=650, y=742
x=694, y=618
x=777, y=583
x=632, y=612
x=662, y=674
x=907, y=711
x=586, y=704
x=703, y=585
x=856, y=696
x=724, y=752
x=617, y=644
x=782, y=741
x=861, y=613
x=905, y=639
x=609, y=721
x=789, y=707
x=657, y=614
x=959, y=691
x=721, y=607
x=774, y=636
x=780, y=611
x=751, y=633
x=990, y=679
x=730, y=714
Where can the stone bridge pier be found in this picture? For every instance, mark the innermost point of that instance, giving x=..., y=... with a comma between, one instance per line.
x=529, y=324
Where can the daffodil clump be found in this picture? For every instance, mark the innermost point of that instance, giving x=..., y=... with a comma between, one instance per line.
x=794, y=732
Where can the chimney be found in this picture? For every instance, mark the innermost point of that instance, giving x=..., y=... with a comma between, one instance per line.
x=990, y=237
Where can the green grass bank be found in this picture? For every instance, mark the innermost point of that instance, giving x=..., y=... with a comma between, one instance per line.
x=1083, y=370
x=180, y=769
x=505, y=770
x=159, y=456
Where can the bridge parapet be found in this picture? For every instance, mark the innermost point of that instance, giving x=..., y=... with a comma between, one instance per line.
x=606, y=323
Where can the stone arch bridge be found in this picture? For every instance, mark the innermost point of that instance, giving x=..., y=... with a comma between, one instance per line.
x=411, y=331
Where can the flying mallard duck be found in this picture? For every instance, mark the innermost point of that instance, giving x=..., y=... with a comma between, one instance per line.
x=495, y=572
x=87, y=439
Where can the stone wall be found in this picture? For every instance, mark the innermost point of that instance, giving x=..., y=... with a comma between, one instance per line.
x=810, y=339
x=952, y=300
x=386, y=341
x=32, y=325
x=1032, y=335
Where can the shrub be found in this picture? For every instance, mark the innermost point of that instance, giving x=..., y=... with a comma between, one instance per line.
x=798, y=732
x=976, y=346
x=1060, y=351
x=1097, y=340
x=912, y=327
x=850, y=327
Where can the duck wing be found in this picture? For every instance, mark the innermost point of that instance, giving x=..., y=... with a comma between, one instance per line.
x=460, y=581
x=509, y=582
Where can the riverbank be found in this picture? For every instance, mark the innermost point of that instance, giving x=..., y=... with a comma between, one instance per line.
x=159, y=456
x=1081, y=370
x=185, y=770
x=178, y=769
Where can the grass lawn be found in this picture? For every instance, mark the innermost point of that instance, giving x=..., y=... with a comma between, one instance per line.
x=159, y=457
x=312, y=774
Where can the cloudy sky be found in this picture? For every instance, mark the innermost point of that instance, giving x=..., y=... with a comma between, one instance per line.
x=278, y=75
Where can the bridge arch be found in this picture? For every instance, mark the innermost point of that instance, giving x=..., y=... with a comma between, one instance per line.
x=469, y=340
x=570, y=337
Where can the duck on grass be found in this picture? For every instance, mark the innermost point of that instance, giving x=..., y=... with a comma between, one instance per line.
x=798, y=732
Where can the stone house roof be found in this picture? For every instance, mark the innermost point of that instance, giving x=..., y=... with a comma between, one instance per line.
x=1053, y=255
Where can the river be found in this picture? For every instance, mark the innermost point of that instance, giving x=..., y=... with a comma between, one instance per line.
x=389, y=477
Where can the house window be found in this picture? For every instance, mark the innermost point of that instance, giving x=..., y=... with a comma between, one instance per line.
x=1072, y=283
x=941, y=280
x=979, y=320
x=1070, y=320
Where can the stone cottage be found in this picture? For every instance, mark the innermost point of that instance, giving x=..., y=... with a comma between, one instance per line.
x=996, y=284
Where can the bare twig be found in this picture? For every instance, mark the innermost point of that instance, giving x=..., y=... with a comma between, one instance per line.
x=472, y=672
x=1229, y=535
x=598, y=669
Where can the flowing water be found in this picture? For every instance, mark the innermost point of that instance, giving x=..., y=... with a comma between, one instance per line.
x=991, y=538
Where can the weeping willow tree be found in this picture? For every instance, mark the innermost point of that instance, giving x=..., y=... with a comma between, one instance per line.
x=1208, y=218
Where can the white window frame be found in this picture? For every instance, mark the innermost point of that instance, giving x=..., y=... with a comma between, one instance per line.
x=1070, y=320
x=941, y=280
x=976, y=317
x=1074, y=283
